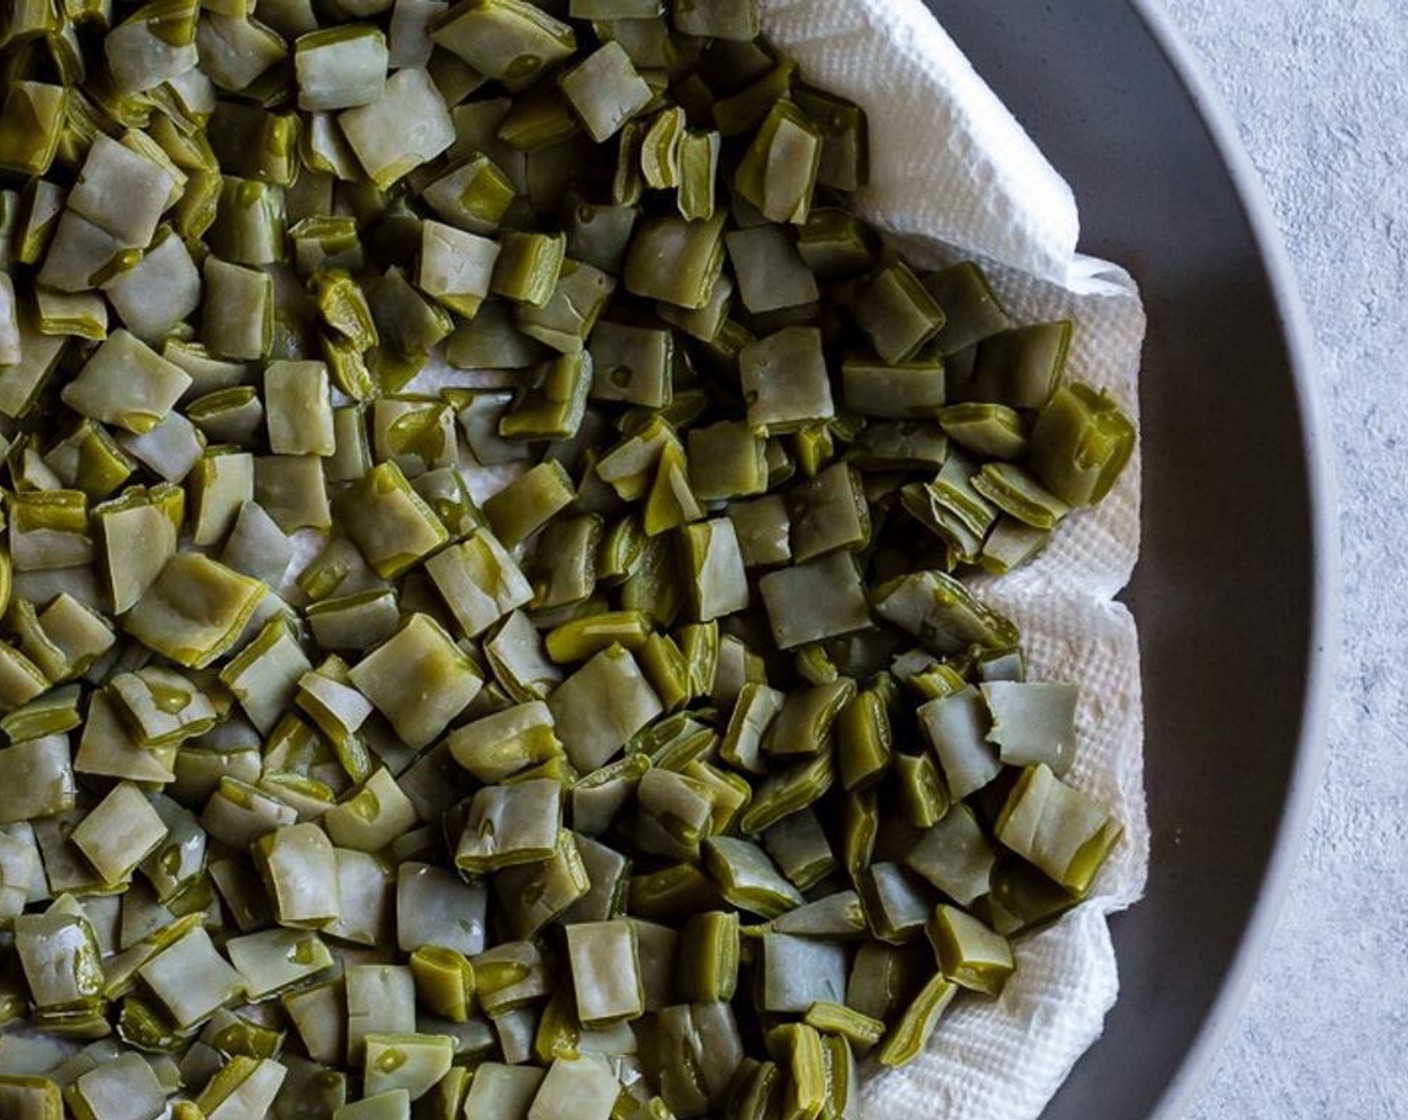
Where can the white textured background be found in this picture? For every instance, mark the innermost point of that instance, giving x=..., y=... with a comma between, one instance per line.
x=1319, y=89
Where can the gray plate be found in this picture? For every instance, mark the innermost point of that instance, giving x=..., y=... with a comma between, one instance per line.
x=1235, y=589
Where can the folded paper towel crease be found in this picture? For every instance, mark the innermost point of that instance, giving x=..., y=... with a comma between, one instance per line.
x=954, y=175
x=950, y=161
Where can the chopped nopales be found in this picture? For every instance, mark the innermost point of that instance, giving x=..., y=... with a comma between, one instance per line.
x=486, y=564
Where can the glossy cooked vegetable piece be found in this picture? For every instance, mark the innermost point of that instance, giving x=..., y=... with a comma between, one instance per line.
x=529, y=502
x=957, y=728
x=675, y=260
x=237, y=311
x=785, y=382
x=1062, y=831
x=194, y=610
x=127, y=384
x=511, y=824
x=340, y=67
x=605, y=90
x=778, y=172
x=1080, y=444
x=955, y=856
x=599, y=707
x=907, y=1039
x=605, y=971
x=815, y=601
x=553, y=402
x=565, y=321
x=771, y=274
x=388, y=520
x=408, y=125
x=509, y=40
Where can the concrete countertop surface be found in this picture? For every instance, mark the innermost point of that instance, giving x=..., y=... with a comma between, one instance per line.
x=1319, y=90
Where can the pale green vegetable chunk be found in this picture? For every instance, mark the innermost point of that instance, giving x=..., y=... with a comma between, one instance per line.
x=581, y=1088
x=942, y=613
x=407, y=126
x=389, y=521
x=276, y=960
x=190, y=979
x=238, y=813
x=747, y=878
x=700, y=1050
x=80, y=253
x=300, y=871
x=162, y=706
x=380, y=1000
x=800, y=971
x=31, y=125
x=955, y=856
x=771, y=274
x=600, y=706
x=456, y=267
x=676, y=261
x=49, y=529
x=340, y=67
x=194, y=611
x=908, y=1038
x=511, y=40
x=137, y=535
x=500, y=745
x=1063, y=831
x=785, y=383
x=434, y=906
x=970, y=954
x=127, y=384
x=414, y=1062
x=264, y=675
x=21, y=382
x=515, y=653
x=778, y=172
x=159, y=291
x=36, y=779
x=814, y=601
x=121, y=191
x=372, y=817
x=605, y=90
x=298, y=405
x=958, y=729
x=235, y=50
x=82, y=314
x=566, y=319
x=510, y=825
x=419, y=679
x=713, y=567
x=605, y=971
x=503, y=1092
x=243, y=1090
x=394, y=1104
x=256, y=547
x=59, y=955
x=479, y=581
x=221, y=483
x=237, y=316
x=124, y=1088
x=1033, y=721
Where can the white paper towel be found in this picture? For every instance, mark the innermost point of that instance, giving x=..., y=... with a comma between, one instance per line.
x=948, y=160
x=954, y=175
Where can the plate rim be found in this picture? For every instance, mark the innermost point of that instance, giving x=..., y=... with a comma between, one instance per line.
x=1323, y=640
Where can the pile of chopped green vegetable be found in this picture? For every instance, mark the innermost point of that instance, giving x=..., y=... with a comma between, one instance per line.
x=670, y=780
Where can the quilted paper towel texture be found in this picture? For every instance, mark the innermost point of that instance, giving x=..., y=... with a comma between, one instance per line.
x=977, y=180
x=976, y=186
